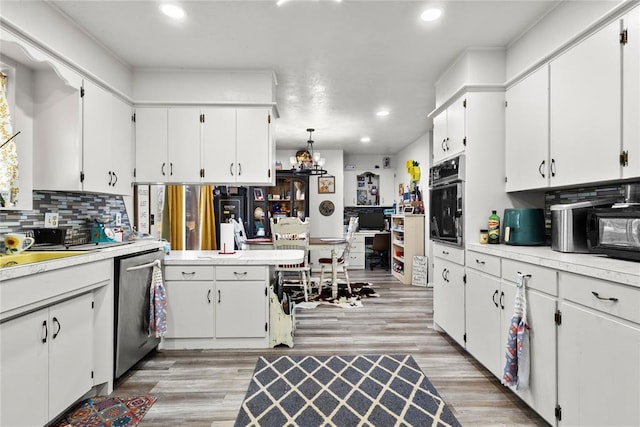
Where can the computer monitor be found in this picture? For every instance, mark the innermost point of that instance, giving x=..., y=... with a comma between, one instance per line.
x=371, y=221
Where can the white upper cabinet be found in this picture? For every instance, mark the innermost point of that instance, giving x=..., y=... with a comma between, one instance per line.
x=254, y=146
x=122, y=150
x=183, y=157
x=151, y=144
x=449, y=131
x=585, y=109
x=527, y=132
x=218, y=145
x=107, y=142
x=57, y=132
x=631, y=95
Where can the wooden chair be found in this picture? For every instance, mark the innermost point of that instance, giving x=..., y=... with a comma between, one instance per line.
x=343, y=259
x=292, y=233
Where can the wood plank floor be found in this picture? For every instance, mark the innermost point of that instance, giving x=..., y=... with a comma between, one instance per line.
x=206, y=388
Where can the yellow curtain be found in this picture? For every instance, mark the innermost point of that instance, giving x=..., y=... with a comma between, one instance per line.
x=175, y=196
x=207, y=219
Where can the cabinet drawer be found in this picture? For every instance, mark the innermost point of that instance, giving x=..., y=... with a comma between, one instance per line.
x=542, y=279
x=188, y=272
x=451, y=253
x=241, y=272
x=598, y=294
x=483, y=262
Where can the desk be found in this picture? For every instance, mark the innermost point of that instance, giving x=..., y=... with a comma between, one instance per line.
x=333, y=244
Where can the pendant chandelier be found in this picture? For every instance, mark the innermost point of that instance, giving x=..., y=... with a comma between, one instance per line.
x=307, y=161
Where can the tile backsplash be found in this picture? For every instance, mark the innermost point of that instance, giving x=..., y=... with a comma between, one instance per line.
x=75, y=211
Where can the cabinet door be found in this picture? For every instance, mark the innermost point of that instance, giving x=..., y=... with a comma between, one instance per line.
x=151, y=145
x=456, y=131
x=440, y=136
x=527, y=133
x=598, y=369
x=57, y=133
x=240, y=309
x=483, y=312
x=350, y=188
x=387, y=190
x=631, y=94
x=585, y=110
x=190, y=313
x=70, y=352
x=122, y=151
x=219, y=144
x=97, y=139
x=24, y=396
x=184, y=145
x=448, y=298
x=541, y=393
x=254, y=156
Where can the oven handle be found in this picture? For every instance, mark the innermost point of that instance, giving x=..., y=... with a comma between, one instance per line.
x=148, y=265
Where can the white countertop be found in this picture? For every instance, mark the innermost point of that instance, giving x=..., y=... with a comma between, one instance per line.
x=594, y=265
x=95, y=255
x=262, y=257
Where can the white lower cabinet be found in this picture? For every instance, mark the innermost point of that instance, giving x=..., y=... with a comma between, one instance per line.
x=47, y=361
x=448, y=298
x=598, y=353
x=216, y=306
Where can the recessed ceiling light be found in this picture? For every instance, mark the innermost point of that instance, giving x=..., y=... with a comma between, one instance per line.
x=365, y=139
x=431, y=14
x=172, y=11
x=382, y=113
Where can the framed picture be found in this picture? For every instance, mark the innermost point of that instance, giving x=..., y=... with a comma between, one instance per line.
x=258, y=195
x=408, y=209
x=326, y=184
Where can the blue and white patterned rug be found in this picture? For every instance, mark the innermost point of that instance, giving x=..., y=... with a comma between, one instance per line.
x=368, y=390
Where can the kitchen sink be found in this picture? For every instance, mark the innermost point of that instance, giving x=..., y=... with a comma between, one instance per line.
x=31, y=257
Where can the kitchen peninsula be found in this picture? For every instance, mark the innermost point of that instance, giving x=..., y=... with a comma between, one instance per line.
x=51, y=309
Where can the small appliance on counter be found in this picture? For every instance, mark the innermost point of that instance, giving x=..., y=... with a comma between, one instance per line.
x=569, y=225
x=524, y=226
x=100, y=232
x=615, y=231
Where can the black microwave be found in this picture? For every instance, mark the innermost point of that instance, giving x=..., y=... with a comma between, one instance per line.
x=615, y=232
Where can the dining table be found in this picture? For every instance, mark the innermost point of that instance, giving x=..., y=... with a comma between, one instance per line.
x=334, y=244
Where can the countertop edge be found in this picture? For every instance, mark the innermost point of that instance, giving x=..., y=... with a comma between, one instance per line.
x=17, y=271
x=247, y=257
x=593, y=265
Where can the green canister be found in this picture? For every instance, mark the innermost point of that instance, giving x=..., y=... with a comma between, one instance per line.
x=494, y=228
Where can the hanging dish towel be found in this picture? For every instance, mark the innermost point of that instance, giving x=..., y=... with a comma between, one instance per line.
x=516, y=369
x=157, y=305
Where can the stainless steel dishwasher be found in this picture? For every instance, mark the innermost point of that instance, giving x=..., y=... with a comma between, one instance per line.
x=131, y=330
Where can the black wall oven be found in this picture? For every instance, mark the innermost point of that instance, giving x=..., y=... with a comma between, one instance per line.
x=446, y=198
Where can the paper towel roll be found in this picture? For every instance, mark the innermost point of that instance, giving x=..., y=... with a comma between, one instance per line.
x=227, y=238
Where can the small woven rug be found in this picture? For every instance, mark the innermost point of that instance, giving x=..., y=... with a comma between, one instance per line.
x=107, y=411
x=369, y=390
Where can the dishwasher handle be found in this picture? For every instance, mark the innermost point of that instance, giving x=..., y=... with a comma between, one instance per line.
x=148, y=265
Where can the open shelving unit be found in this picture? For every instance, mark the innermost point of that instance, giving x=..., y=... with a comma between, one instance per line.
x=407, y=241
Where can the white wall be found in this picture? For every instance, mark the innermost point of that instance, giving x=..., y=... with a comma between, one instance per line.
x=330, y=226
x=564, y=22
x=48, y=28
x=367, y=162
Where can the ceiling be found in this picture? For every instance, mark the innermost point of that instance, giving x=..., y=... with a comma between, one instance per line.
x=336, y=63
